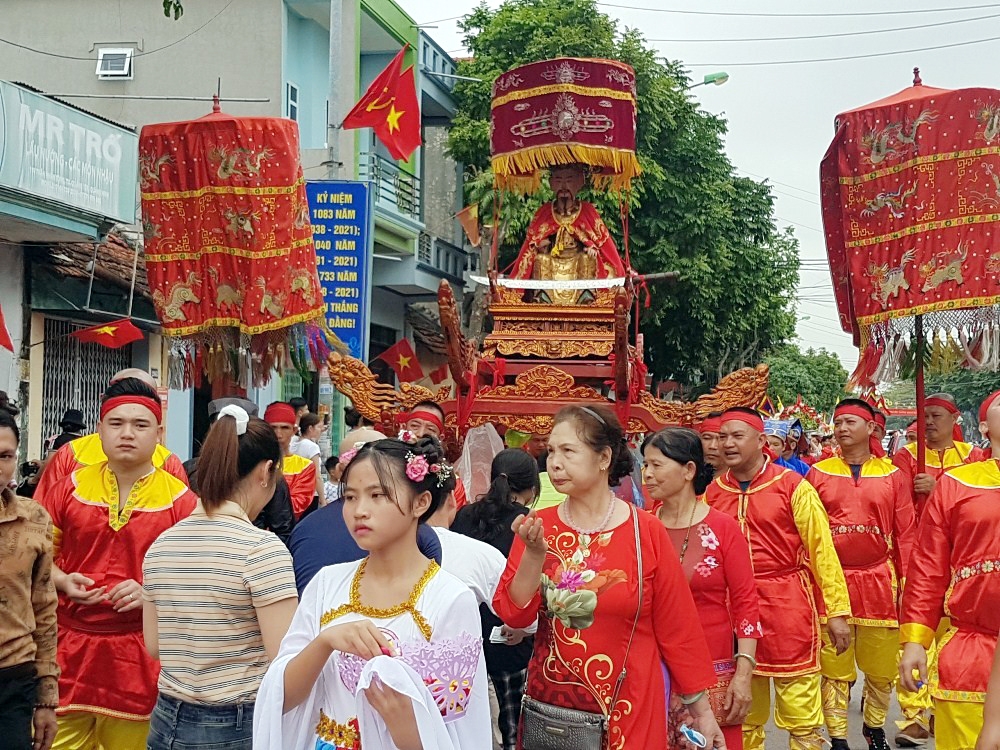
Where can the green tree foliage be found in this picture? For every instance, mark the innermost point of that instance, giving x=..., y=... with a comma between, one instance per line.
x=689, y=211
x=817, y=376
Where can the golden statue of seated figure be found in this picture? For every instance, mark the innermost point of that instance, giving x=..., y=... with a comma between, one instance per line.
x=566, y=241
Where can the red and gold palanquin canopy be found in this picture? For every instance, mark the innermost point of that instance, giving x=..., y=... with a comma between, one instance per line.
x=911, y=200
x=564, y=111
x=228, y=243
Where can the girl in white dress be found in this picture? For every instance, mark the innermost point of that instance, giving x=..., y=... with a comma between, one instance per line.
x=385, y=653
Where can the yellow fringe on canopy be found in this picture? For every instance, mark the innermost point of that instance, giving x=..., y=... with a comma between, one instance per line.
x=521, y=171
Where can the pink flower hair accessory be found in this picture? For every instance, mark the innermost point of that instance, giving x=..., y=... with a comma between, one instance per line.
x=417, y=467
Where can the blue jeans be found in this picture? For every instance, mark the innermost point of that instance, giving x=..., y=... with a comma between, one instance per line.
x=177, y=725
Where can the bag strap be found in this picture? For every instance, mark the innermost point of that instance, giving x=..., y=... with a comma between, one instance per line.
x=638, y=611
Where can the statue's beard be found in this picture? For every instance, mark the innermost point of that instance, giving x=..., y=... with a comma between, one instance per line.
x=565, y=201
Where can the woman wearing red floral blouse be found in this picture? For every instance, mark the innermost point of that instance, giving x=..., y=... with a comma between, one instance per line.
x=716, y=561
x=584, y=553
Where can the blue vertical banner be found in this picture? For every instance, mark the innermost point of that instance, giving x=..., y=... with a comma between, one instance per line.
x=342, y=217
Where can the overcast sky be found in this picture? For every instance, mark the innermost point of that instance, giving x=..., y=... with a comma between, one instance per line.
x=781, y=115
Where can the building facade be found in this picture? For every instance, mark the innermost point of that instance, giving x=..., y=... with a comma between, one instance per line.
x=130, y=64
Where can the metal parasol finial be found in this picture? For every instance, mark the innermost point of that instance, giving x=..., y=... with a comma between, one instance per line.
x=215, y=103
x=916, y=77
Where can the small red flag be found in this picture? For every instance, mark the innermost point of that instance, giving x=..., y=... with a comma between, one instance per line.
x=390, y=108
x=439, y=375
x=113, y=335
x=403, y=360
x=5, y=340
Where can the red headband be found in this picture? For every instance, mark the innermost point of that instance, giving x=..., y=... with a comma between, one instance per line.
x=753, y=420
x=986, y=407
x=880, y=419
x=280, y=413
x=427, y=416
x=711, y=424
x=152, y=404
x=956, y=431
x=854, y=410
x=943, y=403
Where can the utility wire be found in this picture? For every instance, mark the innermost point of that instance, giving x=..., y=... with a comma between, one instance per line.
x=845, y=57
x=798, y=224
x=827, y=36
x=137, y=54
x=776, y=182
x=800, y=15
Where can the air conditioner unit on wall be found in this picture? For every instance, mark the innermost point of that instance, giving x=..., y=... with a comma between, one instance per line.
x=115, y=63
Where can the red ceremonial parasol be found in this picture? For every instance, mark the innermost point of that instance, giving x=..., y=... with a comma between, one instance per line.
x=564, y=111
x=910, y=191
x=229, y=249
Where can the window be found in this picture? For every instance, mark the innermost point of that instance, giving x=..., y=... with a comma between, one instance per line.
x=292, y=101
x=115, y=63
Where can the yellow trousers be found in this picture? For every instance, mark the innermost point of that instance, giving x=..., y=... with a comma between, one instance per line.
x=957, y=725
x=875, y=651
x=82, y=730
x=917, y=706
x=798, y=709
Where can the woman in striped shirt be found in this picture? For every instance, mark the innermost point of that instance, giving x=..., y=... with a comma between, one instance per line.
x=218, y=594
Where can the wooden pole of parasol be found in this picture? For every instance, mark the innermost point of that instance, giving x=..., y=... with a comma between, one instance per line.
x=921, y=395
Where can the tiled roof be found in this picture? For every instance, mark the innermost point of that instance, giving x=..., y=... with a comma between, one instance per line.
x=114, y=262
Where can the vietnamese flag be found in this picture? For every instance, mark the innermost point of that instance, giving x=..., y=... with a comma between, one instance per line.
x=390, y=108
x=439, y=375
x=5, y=340
x=113, y=335
x=403, y=360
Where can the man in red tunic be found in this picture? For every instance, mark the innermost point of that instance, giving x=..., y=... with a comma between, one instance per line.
x=105, y=516
x=944, y=450
x=871, y=519
x=955, y=570
x=299, y=473
x=793, y=555
x=87, y=450
x=567, y=240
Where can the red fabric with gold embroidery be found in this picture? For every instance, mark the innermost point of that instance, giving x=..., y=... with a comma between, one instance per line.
x=228, y=239
x=911, y=201
x=564, y=111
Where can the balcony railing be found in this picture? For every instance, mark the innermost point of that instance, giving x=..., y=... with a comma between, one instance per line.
x=443, y=258
x=393, y=186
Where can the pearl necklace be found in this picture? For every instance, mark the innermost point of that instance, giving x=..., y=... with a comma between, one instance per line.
x=603, y=525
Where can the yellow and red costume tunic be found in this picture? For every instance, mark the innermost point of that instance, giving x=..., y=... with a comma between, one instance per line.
x=793, y=555
x=955, y=571
x=105, y=669
x=586, y=228
x=788, y=531
x=916, y=706
x=873, y=528
x=87, y=451
x=938, y=462
x=300, y=474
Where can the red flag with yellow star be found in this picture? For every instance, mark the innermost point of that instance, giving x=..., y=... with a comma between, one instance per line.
x=390, y=108
x=113, y=335
x=403, y=360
